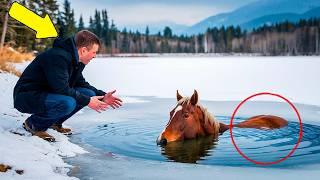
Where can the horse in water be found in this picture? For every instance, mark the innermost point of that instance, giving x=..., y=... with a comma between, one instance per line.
x=190, y=120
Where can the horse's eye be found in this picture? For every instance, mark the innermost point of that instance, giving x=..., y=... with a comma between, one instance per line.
x=185, y=115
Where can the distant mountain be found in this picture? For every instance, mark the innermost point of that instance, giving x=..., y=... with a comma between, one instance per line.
x=272, y=19
x=253, y=11
x=155, y=27
x=312, y=13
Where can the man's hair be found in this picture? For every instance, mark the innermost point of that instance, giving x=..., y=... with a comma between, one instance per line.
x=85, y=38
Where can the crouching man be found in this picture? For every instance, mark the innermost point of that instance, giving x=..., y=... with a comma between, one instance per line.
x=52, y=87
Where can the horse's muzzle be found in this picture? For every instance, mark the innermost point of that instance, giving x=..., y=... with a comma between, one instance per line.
x=162, y=142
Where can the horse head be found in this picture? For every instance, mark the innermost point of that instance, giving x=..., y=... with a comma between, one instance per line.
x=188, y=120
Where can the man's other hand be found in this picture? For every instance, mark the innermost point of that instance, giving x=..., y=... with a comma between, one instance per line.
x=96, y=104
x=111, y=100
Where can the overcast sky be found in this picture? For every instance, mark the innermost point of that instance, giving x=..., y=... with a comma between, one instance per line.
x=133, y=12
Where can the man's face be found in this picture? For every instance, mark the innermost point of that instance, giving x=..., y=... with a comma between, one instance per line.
x=86, y=54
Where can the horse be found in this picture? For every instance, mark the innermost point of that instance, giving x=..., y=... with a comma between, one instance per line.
x=189, y=120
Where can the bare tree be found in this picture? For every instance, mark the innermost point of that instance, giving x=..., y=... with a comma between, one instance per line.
x=5, y=24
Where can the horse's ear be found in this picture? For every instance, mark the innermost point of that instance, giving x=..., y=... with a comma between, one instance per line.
x=178, y=96
x=194, y=98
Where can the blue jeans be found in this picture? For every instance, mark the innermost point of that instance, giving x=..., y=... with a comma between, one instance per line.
x=58, y=109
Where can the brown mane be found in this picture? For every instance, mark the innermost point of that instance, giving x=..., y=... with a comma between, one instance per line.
x=208, y=118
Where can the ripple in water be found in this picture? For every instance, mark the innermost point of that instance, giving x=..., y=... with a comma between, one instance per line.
x=138, y=139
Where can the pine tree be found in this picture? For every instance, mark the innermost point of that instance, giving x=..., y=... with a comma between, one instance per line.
x=238, y=32
x=91, y=25
x=97, y=23
x=147, y=31
x=148, y=45
x=113, y=31
x=68, y=20
x=105, y=28
x=49, y=7
x=139, y=43
x=229, y=36
x=113, y=36
x=81, y=24
x=167, y=32
x=125, y=41
x=61, y=26
x=179, y=48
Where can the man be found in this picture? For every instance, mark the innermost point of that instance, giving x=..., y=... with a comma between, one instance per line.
x=52, y=88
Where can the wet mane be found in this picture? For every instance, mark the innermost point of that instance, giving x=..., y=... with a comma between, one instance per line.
x=208, y=117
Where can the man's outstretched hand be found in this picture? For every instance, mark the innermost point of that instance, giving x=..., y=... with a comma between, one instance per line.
x=111, y=100
x=96, y=104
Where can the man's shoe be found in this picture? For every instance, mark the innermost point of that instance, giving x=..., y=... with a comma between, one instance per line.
x=60, y=129
x=41, y=134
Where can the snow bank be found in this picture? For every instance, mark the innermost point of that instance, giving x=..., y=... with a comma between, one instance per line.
x=37, y=158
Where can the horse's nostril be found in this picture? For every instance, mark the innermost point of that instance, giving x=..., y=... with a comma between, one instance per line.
x=162, y=142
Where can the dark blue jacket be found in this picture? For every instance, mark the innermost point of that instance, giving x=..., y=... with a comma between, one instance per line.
x=56, y=70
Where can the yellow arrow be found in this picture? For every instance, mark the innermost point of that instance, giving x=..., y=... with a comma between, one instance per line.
x=43, y=26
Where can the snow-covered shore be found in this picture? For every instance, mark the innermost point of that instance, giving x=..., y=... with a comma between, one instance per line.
x=37, y=158
x=30, y=157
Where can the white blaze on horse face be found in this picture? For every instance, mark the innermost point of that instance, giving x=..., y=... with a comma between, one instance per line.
x=178, y=108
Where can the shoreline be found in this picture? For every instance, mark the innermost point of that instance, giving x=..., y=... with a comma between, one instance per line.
x=123, y=55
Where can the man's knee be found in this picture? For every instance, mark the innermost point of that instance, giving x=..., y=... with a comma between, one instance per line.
x=60, y=105
x=68, y=105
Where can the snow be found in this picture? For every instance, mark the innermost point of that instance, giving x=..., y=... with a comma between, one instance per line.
x=37, y=158
x=215, y=78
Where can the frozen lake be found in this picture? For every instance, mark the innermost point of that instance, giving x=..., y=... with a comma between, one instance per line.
x=215, y=78
x=122, y=142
